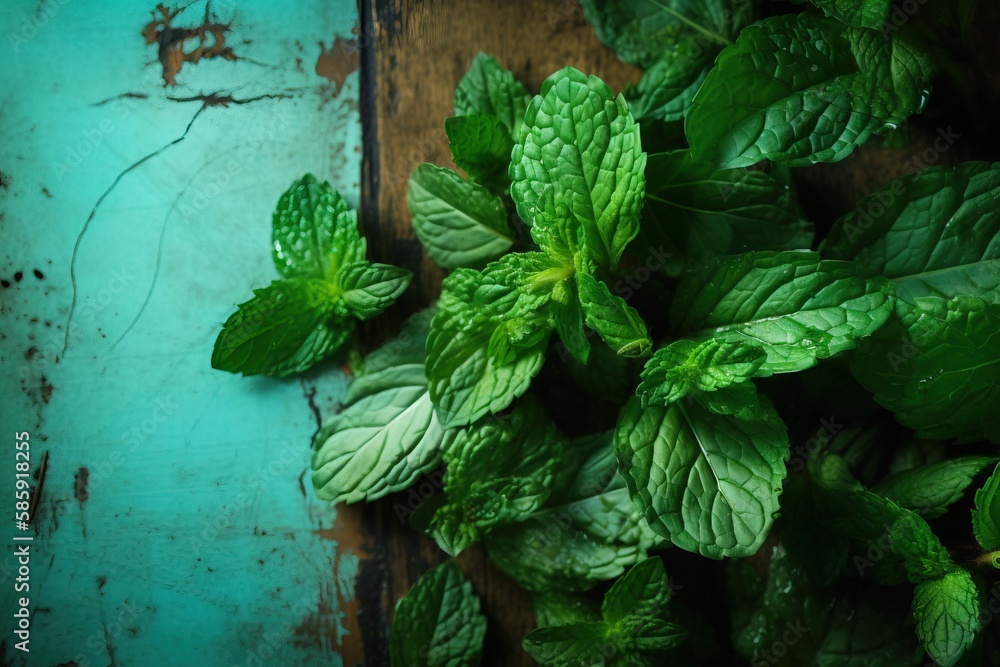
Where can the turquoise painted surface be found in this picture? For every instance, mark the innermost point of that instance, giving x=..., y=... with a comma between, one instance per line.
x=177, y=525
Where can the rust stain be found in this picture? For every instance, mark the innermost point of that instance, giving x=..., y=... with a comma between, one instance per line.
x=80, y=480
x=318, y=627
x=338, y=62
x=179, y=45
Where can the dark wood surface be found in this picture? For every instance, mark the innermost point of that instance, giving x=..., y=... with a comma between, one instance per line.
x=413, y=53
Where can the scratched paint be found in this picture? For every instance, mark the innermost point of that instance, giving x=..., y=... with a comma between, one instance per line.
x=177, y=524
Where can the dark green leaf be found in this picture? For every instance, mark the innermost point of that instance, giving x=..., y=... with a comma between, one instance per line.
x=617, y=323
x=480, y=145
x=930, y=489
x=438, y=623
x=858, y=13
x=986, y=515
x=488, y=88
x=285, y=328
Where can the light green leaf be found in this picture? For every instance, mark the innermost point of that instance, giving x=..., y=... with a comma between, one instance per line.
x=639, y=31
x=929, y=489
x=704, y=212
x=488, y=88
x=568, y=316
x=800, y=89
x=685, y=366
x=387, y=434
x=467, y=381
x=582, y=143
x=285, y=328
x=792, y=305
x=617, y=323
x=458, y=222
x=933, y=233
x=480, y=145
x=438, y=623
x=946, y=610
x=923, y=554
x=986, y=514
x=935, y=366
x=642, y=591
x=314, y=231
x=858, y=13
x=732, y=467
x=368, y=289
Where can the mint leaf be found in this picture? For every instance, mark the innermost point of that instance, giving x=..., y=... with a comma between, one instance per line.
x=587, y=532
x=314, y=231
x=800, y=89
x=497, y=472
x=794, y=306
x=554, y=608
x=617, y=323
x=923, y=554
x=488, y=88
x=929, y=489
x=986, y=514
x=438, y=623
x=933, y=233
x=935, y=366
x=488, y=339
x=946, y=610
x=732, y=466
x=667, y=88
x=858, y=13
x=568, y=317
x=285, y=328
x=705, y=212
x=480, y=145
x=458, y=222
x=387, y=434
x=639, y=31
x=630, y=634
x=685, y=366
x=582, y=144
x=368, y=289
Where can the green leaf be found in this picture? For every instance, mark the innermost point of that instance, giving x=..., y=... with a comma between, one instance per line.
x=667, y=88
x=481, y=316
x=368, y=289
x=946, y=611
x=314, y=231
x=458, y=222
x=630, y=634
x=554, y=608
x=497, y=472
x=935, y=367
x=930, y=489
x=285, y=328
x=732, y=467
x=589, y=530
x=933, y=233
x=488, y=88
x=568, y=316
x=818, y=551
x=438, y=623
x=639, y=31
x=685, y=366
x=618, y=324
x=582, y=144
x=923, y=554
x=800, y=89
x=794, y=306
x=578, y=644
x=480, y=145
x=642, y=591
x=706, y=212
x=386, y=435
x=986, y=514
x=858, y=13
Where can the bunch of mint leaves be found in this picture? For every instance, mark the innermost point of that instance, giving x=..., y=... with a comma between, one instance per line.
x=627, y=338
